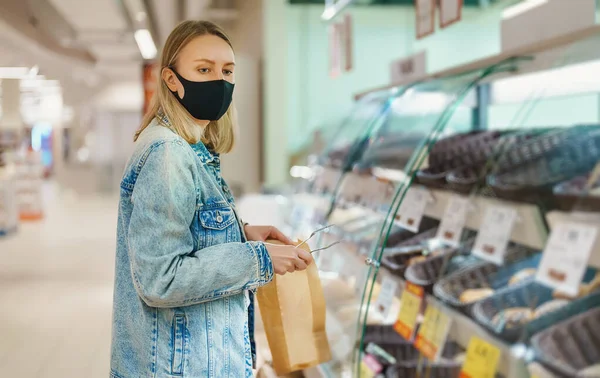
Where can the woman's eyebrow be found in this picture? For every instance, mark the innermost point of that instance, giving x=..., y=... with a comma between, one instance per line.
x=213, y=62
x=205, y=60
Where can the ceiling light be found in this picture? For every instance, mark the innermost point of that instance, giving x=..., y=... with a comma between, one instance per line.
x=521, y=7
x=145, y=43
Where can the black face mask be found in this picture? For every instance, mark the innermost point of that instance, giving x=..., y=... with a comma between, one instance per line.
x=205, y=100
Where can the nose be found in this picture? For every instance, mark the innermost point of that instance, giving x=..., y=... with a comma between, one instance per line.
x=220, y=76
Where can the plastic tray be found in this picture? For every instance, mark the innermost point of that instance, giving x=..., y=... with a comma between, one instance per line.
x=572, y=345
x=382, y=334
x=458, y=151
x=408, y=364
x=407, y=356
x=529, y=170
x=404, y=237
x=395, y=259
x=463, y=180
x=426, y=273
x=484, y=275
x=529, y=294
x=570, y=196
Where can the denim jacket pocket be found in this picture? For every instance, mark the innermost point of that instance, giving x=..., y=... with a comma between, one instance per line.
x=178, y=344
x=217, y=219
x=216, y=225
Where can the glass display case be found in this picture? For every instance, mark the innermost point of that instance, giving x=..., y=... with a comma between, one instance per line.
x=465, y=213
x=311, y=197
x=506, y=283
x=366, y=195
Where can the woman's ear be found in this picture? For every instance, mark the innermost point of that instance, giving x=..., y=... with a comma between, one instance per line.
x=170, y=79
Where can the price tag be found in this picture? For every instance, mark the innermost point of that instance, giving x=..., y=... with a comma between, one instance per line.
x=433, y=333
x=412, y=208
x=370, y=367
x=453, y=222
x=494, y=234
x=386, y=296
x=410, y=307
x=481, y=360
x=566, y=256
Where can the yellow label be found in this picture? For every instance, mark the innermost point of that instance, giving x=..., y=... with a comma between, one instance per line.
x=365, y=371
x=410, y=307
x=481, y=360
x=433, y=332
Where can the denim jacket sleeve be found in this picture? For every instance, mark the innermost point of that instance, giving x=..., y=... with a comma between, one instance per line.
x=166, y=271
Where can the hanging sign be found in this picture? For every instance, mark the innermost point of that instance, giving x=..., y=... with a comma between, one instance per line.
x=348, y=43
x=433, y=333
x=410, y=307
x=408, y=69
x=412, y=208
x=566, y=256
x=481, y=360
x=494, y=233
x=425, y=13
x=389, y=286
x=450, y=12
x=335, y=50
x=453, y=222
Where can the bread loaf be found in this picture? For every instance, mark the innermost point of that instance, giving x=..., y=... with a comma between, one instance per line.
x=473, y=295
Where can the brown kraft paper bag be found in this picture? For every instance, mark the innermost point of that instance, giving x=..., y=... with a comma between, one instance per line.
x=292, y=308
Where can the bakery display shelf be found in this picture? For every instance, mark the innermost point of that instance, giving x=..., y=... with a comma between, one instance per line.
x=513, y=361
x=529, y=230
x=592, y=219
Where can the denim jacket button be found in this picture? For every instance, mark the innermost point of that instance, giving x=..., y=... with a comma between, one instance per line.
x=219, y=218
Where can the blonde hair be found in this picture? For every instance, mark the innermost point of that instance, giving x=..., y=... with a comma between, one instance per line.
x=219, y=135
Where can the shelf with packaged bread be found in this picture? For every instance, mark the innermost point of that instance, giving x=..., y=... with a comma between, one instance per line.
x=364, y=187
x=513, y=359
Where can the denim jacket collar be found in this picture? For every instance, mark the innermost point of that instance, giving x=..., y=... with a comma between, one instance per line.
x=205, y=155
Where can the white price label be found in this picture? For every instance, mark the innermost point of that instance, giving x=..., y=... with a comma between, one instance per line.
x=494, y=234
x=412, y=208
x=387, y=293
x=566, y=256
x=453, y=222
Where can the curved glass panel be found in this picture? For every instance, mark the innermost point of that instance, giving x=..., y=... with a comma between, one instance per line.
x=498, y=193
x=364, y=197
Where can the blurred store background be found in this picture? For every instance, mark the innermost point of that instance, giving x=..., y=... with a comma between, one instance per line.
x=75, y=76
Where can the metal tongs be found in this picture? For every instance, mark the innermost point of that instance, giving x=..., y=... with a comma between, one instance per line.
x=315, y=232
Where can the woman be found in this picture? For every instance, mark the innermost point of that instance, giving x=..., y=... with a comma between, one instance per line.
x=186, y=267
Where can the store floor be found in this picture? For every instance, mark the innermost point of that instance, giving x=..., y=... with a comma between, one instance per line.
x=56, y=290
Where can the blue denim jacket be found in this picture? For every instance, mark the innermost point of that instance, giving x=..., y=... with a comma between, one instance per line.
x=185, y=275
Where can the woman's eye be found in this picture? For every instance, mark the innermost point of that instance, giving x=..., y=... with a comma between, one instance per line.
x=203, y=70
x=227, y=72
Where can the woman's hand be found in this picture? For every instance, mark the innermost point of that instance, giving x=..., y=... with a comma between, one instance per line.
x=264, y=233
x=287, y=258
